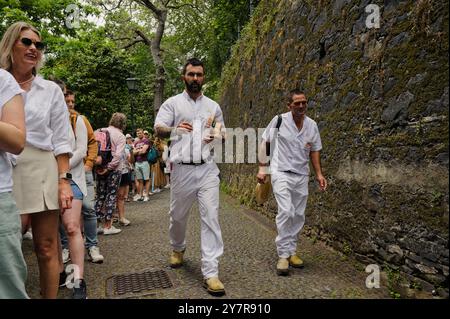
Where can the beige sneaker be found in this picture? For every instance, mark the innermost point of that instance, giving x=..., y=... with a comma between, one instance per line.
x=214, y=286
x=295, y=261
x=176, y=259
x=111, y=231
x=283, y=267
x=124, y=222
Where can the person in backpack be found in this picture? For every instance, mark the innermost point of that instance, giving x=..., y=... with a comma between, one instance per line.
x=295, y=142
x=89, y=216
x=141, y=166
x=88, y=212
x=71, y=237
x=132, y=185
x=124, y=186
x=109, y=174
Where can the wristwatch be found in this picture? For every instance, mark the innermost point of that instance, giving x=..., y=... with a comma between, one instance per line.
x=66, y=176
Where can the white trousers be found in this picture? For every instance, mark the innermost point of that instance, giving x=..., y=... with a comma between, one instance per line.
x=291, y=194
x=188, y=183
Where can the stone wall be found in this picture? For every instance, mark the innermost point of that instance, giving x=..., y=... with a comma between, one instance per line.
x=380, y=98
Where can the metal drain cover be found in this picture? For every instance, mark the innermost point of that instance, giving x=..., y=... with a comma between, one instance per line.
x=119, y=285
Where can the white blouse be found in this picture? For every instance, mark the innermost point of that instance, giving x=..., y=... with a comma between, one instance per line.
x=47, y=118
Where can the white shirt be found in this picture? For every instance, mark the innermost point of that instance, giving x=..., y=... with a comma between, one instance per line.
x=8, y=89
x=291, y=148
x=182, y=108
x=79, y=148
x=47, y=118
x=124, y=163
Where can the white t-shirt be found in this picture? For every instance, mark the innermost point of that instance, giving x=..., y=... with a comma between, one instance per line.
x=79, y=149
x=8, y=89
x=292, y=147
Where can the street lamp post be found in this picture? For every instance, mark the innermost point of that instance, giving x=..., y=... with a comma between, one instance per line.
x=132, y=84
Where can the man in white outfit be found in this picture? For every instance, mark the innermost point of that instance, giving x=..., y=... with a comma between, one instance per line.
x=188, y=118
x=295, y=142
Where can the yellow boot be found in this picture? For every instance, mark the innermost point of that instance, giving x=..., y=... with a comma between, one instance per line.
x=214, y=286
x=283, y=267
x=176, y=259
x=295, y=261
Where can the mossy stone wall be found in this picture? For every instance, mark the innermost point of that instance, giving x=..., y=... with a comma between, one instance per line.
x=380, y=98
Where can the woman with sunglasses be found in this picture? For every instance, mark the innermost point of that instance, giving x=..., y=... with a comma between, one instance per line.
x=41, y=175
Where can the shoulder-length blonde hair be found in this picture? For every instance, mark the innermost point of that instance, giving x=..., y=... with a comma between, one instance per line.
x=10, y=37
x=118, y=120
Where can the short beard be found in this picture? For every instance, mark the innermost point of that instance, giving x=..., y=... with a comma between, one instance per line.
x=193, y=87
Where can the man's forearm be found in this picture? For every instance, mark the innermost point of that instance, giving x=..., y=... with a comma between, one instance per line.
x=263, y=159
x=163, y=131
x=315, y=160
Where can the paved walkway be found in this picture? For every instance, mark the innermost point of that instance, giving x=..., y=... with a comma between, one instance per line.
x=247, y=267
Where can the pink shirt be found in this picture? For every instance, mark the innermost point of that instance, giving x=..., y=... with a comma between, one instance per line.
x=118, y=142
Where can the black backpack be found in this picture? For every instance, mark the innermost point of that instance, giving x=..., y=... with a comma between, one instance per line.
x=279, y=120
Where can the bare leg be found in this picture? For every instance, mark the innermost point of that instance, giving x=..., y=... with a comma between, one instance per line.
x=121, y=195
x=26, y=222
x=140, y=187
x=107, y=223
x=71, y=222
x=167, y=179
x=147, y=187
x=45, y=238
x=136, y=186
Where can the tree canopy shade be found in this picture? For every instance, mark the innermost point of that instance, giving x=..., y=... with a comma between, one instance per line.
x=134, y=41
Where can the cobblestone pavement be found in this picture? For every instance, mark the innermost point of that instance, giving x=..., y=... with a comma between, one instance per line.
x=247, y=267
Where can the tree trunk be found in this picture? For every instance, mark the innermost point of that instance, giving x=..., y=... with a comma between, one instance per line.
x=155, y=49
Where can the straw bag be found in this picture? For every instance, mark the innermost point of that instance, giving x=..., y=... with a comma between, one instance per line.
x=262, y=191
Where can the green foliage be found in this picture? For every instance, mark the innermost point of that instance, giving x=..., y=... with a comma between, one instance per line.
x=93, y=67
x=95, y=60
x=347, y=248
x=209, y=32
x=395, y=280
x=48, y=16
x=245, y=48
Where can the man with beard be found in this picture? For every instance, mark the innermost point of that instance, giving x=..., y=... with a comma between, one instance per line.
x=188, y=118
x=295, y=142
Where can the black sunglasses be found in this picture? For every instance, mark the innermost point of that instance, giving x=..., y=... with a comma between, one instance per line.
x=39, y=45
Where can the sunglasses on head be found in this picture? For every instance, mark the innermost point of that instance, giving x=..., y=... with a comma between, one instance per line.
x=28, y=42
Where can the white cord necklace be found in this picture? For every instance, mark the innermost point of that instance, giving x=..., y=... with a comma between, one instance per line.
x=25, y=82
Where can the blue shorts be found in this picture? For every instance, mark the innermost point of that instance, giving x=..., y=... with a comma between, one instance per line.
x=77, y=194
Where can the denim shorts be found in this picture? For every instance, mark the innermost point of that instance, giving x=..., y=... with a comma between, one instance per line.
x=77, y=194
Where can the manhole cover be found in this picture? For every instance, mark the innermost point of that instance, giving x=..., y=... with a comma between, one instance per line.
x=138, y=282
